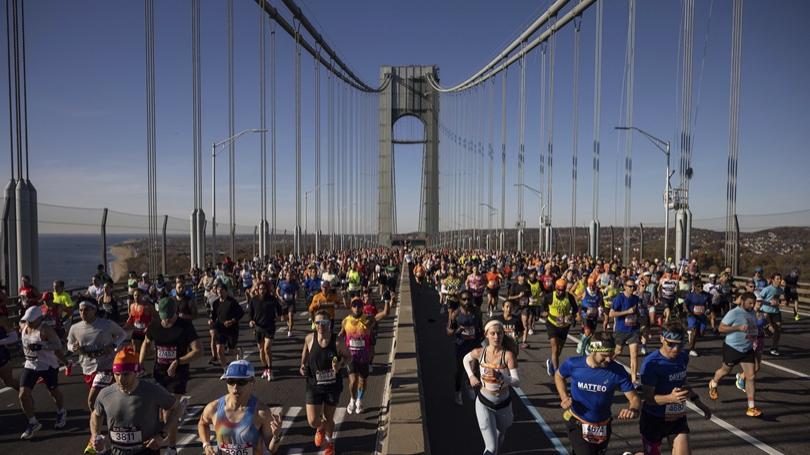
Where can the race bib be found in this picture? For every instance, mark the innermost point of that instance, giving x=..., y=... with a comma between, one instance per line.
x=103, y=379
x=139, y=325
x=563, y=320
x=630, y=320
x=595, y=434
x=674, y=411
x=126, y=437
x=698, y=310
x=357, y=343
x=288, y=297
x=166, y=354
x=509, y=330
x=532, y=301
x=325, y=377
x=524, y=301
x=468, y=332
x=592, y=312
x=236, y=449
x=92, y=351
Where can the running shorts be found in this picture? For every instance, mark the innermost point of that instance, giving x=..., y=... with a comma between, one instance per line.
x=5, y=356
x=228, y=339
x=579, y=445
x=732, y=356
x=774, y=318
x=358, y=368
x=29, y=377
x=560, y=333
x=655, y=429
x=177, y=385
x=697, y=322
x=263, y=333
x=626, y=338
x=99, y=379
x=328, y=397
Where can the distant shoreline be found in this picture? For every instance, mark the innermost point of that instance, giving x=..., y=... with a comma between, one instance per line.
x=122, y=252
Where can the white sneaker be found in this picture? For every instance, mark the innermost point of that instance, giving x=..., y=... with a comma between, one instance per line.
x=643, y=350
x=350, y=407
x=358, y=407
x=289, y=333
x=531, y=331
x=269, y=376
x=693, y=353
x=457, y=399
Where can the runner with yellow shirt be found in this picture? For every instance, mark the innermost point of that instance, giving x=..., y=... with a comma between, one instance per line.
x=561, y=307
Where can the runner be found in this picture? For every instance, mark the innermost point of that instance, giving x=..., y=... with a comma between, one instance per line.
x=242, y=423
x=176, y=345
x=697, y=305
x=791, y=286
x=95, y=340
x=131, y=410
x=326, y=300
x=493, y=288
x=225, y=315
x=535, y=300
x=665, y=391
x=589, y=313
x=286, y=292
x=140, y=316
x=184, y=299
x=740, y=327
x=475, y=283
x=8, y=337
x=771, y=305
x=561, y=307
x=498, y=370
x=465, y=326
x=594, y=380
x=358, y=330
x=513, y=327
x=624, y=309
x=451, y=287
x=108, y=305
x=321, y=361
x=519, y=293
x=263, y=309
x=40, y=347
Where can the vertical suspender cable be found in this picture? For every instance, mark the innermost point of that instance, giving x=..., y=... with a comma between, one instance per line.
x=273, y=133
x=490, y=149
x=550, y=119
x=317, y=154
x=263, y=125
x=628, y=160
x=231, y=127
x=597, y=107
x=733, y=136
x=330, y=150
x=574, y=163
x=687, y=36
x=503, y=160
x=150, y=132
x=11, y=103
x=543, y=109
x=297, y=141
x=521, y=144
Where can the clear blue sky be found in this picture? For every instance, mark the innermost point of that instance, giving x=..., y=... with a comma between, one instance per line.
x=87, y=117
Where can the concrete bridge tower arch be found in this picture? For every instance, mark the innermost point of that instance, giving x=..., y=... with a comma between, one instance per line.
x=409, y=93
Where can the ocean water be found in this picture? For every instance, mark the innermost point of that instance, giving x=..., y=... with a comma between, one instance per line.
x=72, y=257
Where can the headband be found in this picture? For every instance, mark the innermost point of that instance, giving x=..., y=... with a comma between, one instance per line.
x=600, y=346
x=493, y=322
x=672, y=336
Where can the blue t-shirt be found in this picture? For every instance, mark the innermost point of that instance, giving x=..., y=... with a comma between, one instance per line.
x=592, y=388
x=697, y=303
x=741, y=341
x=287, y=290
x=664, y=374
x=312, y=285
x=767, y=294
x=627, y=323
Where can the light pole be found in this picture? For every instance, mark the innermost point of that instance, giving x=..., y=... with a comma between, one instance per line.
x=491, y=211
x=214, y=146
x=664, y=146
x=542, y=207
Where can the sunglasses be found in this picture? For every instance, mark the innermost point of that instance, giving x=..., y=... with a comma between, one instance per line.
x=323, y=322
x=237, y=382
x=673, y=345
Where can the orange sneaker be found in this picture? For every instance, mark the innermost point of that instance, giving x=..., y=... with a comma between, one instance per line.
x=753, y=412
x=330, y=448
x=319, y=437
x=713, y=391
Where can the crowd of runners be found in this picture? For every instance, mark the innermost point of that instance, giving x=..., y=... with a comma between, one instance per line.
x=112, y=337
x=496, y=305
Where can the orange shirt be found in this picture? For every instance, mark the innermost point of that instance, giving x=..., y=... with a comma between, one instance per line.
x=328, y=302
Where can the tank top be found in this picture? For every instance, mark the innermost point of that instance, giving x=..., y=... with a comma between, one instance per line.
x=37, y=358
x=535, y=291
x=140, y=319
x=469, y=325
x=237, y=438
x=559, y=312
x=358, y=338
x=321, y=373
x=493, y=388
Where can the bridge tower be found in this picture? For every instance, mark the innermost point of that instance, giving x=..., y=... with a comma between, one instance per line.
x=409, y=93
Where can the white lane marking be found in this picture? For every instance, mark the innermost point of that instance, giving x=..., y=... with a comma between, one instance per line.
x=295, y=451
x=340, y=415
x=382, y=421
x=538, y=419
x=801, y=313
x=289, y=418
x=192, y=413
x=785, y=369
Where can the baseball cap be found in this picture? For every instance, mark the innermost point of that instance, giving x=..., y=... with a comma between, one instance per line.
x=166, y=308
x=239, y=369
x=560, y=284
x=32, y=314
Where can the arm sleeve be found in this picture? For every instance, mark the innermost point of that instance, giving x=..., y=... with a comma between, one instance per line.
x=512, y=379
x=468, y=362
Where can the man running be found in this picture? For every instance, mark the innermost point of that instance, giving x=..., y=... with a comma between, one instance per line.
x=242, y=423
x=665, y=391
x=131, y=410
x=771, y=306
x=476, y=285
x=358, y=329
x=519, y=294
x=498, y=372
x=95, y=340
x=263, y=309
x=561, y=307
x=792, y=292
x=591, y=309
x=512, y=325
x=493, y=288
x=624, y=309
x=225, y=315
x=740, y=327
x=40, y=347
x=594, y=380
x=697, y=305
x=321, y=361
x=176, y=345
x=465, y=326
x=286, y=292
x=533, y=310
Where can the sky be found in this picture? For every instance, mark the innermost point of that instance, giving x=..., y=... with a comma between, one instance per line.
x=86, y=102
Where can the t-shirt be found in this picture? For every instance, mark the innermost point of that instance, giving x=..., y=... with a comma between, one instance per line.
x=627, y=323
x=287, y=290
x=222, y=311
x=171, y=343
x=63, y=298
x=741, y=341
x=697, y=303
x=134, y=418
x=513, y=327
x=767, y=294
x=264, y=312
x=592, y=388
x=664, y=374
x=90, y=341
x=516, y=289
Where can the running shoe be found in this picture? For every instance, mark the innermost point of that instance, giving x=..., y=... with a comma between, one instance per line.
x=753, y=412
x=796, y=317
x=330, y=448
x=69, y=369
x=531, y=331
x=269, y=376
x=457, y=399
x=740, y=382
x=358, y=407
x=319, y=437
x=61, y=419
x=643, y=349
x=30, y=429
x=524, y=345
x=584, y=341
x=549, y=368
x=240, y=354
x=713, y=391
x=490, y=316
x=289, y=333
x=775, y=353
x=693, y=353
x=350, y=407
x=90, y=450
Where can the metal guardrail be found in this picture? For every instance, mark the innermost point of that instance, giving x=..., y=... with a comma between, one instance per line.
x=740, y=281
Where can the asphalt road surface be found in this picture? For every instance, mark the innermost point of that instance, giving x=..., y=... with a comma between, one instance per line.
x=783, y=394
x=355, y=434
